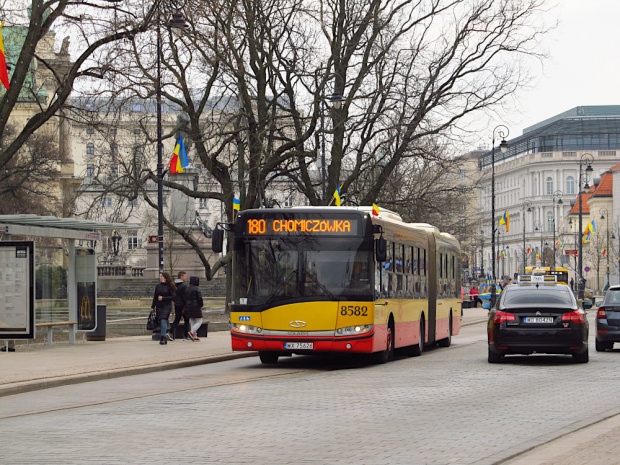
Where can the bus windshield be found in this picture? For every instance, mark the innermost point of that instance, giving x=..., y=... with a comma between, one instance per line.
x=268, y=270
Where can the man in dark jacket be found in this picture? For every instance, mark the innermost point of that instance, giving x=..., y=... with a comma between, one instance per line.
x=179, y=305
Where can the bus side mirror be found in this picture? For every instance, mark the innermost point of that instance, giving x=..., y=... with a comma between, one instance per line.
x=217, y=240
x=381, y=249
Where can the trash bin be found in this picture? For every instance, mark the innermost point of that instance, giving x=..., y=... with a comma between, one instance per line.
x=98, y=334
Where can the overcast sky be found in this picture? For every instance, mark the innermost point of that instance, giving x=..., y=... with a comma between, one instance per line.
x=583, y=67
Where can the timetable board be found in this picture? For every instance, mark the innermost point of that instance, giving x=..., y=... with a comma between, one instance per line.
x=17, y=316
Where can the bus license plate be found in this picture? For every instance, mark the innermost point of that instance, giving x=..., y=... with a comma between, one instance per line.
x=538, y=319
x=299, y=345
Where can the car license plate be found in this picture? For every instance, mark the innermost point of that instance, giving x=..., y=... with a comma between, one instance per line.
x=538, y=319
x=299, y=345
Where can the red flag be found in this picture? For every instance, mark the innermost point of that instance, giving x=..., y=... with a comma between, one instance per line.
x=4, y=74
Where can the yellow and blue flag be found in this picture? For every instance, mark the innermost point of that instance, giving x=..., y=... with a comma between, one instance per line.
x=236, y=204
x=337, y=196
x=505, y=220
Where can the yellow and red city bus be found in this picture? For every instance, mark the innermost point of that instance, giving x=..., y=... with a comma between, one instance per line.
x=560, y=273
x=335, y=279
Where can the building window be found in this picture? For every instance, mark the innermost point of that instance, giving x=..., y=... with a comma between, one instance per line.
x=137, y=131
x=90, y=170
x=133, y=241
x=114, y=149
x=462, y=174
x=90, y=130
x=114, y=170
x=90, y=149
x=114, y=131
x=570, y=185
x=106, y=201
x=202, y=203
x=288, y=202
x=138, y=169
x=549, y=186
x=549, y=221
x=132, y=203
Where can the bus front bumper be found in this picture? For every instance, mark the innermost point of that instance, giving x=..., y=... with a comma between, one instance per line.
x=362, y=343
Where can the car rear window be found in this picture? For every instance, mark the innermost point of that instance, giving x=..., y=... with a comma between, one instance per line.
x=540, y=296
x=613, y=296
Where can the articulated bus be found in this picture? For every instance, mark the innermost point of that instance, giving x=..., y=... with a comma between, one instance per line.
x=561, y=273
x=336, y=279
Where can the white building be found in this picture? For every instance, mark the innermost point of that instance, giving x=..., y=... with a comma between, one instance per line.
x=539, y=169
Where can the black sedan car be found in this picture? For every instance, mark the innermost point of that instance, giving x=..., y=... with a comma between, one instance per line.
x=608, y=320
x=537, y=315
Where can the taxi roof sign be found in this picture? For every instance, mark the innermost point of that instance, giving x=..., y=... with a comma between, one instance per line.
x=537, y=279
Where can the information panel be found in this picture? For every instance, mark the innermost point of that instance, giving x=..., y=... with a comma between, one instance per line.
x=17, y=290
x=287, y=225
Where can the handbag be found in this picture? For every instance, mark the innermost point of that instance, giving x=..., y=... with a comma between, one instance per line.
x=151, y=323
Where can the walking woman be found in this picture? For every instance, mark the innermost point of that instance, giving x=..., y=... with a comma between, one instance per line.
x=162, y=301
x=193, y=307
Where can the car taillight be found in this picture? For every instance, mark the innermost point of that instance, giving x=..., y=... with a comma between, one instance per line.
x=575, y=317
x=503, y=316
x=601, y=313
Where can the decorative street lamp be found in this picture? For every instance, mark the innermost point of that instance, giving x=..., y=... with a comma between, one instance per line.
x=177, y=22
x=482, y=252
x=538, y=226
x=501, y=131
x=587, y=158
x=527, y=204
x=336, y=101
x=556, y=195
x=605, y=215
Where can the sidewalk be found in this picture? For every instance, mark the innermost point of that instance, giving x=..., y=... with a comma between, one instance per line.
x=38, y=366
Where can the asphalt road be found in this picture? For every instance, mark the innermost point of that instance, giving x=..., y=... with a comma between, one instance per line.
x=447, y=407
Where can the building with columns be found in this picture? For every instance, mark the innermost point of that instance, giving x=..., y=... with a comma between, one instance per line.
x=537, y=182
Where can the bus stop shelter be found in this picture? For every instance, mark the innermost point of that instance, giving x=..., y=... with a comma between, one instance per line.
x=21, y=233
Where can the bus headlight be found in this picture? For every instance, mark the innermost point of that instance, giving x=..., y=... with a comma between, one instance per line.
x=353, y=330
x=243, y=328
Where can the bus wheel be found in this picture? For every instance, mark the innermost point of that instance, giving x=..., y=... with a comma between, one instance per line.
x=417, y=350
x=268, y=357
x=447, y=341
x=387, y=354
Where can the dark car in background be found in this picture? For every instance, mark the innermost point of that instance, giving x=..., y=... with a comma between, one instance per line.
x=537, y=315
x=608, y=320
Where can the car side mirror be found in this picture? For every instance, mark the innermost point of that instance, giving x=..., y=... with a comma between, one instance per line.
x=486, y=305
x=587, y=305
x=381, y=249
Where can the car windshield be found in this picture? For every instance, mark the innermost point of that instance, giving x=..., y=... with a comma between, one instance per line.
x=538, y=296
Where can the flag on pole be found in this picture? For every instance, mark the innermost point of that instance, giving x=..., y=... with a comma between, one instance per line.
x=603, y=251
x=375, y=210
x=337, y=196
x=529, y=249
x=179, y=158
x=505, y=220
x=538, y=256
x=236, y=204
x=4, y=72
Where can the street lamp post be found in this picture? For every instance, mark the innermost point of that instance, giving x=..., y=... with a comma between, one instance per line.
x=527, y=204
x=586, y=157
x=178, y=22
x=538, y=226
x=605, y=215
x=336, y=101
x=501, y=131
x=556, y=195
x=481, y=252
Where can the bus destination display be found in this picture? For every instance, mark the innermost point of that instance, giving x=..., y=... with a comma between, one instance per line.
x=310, y=226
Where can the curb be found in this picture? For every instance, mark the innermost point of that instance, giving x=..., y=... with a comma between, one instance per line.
x=28, y=386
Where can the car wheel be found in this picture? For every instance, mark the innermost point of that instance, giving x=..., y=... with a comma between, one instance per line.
x=447, y=341
x=493, y=357
x=268, y=357
x=602, y=346
x=582, y=358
